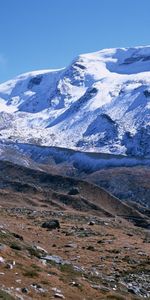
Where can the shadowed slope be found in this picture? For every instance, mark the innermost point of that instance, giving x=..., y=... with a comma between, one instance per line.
x=21, y=186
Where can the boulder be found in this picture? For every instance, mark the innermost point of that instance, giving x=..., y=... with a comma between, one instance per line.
x=73, y=191
x=52, y=224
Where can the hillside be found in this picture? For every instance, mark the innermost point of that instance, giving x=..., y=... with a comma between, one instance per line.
x=95, y=251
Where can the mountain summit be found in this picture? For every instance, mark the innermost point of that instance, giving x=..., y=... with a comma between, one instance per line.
x=100, y=102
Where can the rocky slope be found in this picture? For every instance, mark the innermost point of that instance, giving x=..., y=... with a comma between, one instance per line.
x=88, y=257
x=26, y=187
x=68, y=239
x=128, y=178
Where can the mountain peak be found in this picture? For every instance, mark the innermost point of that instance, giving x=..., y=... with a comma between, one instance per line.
x=100, y=102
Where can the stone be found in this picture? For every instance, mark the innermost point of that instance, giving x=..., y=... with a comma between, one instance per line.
x=91, y=223
x=56, y=259
x=100, y=287
x=2, y=260
x=2, y=247
x=60, y=296
x=25, y=290
x=71, y=245
x=73, y=191
x=56, y=290
x=132, y=290
x=76, y=284
x=9, y=266
x=91, y=248
x=40, y=249
x=52, y=224
x=18, y=236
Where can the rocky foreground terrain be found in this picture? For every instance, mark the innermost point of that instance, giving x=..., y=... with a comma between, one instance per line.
x=88, y=257
x=63, y=238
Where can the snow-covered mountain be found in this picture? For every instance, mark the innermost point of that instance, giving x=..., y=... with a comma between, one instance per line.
x=100, y=103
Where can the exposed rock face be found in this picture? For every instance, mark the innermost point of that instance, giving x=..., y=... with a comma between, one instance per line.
x=139, y=144
x=104, y=128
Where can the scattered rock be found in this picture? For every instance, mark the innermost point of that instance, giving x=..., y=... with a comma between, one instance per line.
x=132, y=290
x=9, y=266
x=2, y=247
x=18, y=236
x=91, y=223
x=40, y=249
x=60, y=296
x=25, y=290
x=38, y=288
x=2, y=260
x=56, y=259
x=73, y=191
x=71, y=245
x=76, y=284
x=56, y=290
x=16, y=246
x=52, y=224
x=100, y=242
x=91, y=248
x=129, y=234
x=100, y=287
x=58, y=293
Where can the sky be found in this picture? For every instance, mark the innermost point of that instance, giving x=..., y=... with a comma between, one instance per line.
x=48, y=34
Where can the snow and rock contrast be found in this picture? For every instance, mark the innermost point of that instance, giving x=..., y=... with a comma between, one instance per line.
x=100, y=103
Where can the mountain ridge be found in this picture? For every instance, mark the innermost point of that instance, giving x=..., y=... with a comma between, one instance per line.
x=99, y=103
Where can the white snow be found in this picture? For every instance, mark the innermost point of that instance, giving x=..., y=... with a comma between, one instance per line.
x=100, y=102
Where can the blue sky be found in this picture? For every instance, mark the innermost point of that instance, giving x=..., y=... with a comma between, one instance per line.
x=42, y=34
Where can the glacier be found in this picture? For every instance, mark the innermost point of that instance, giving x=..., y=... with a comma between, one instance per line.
x=99, y=103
